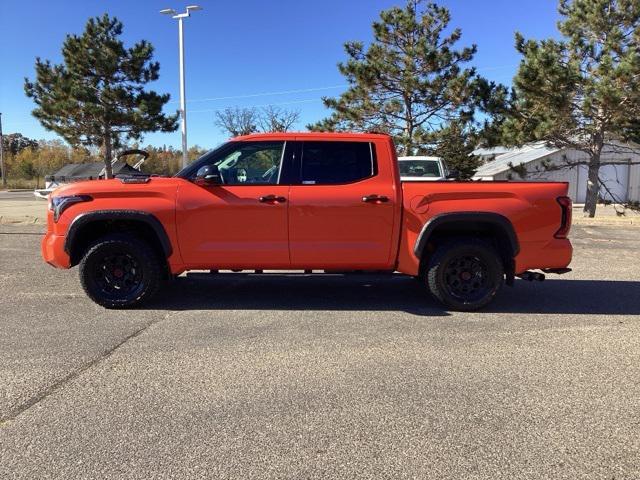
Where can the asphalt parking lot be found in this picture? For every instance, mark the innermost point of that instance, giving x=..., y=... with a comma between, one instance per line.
x=281, y=376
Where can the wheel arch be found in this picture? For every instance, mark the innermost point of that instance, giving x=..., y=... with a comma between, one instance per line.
x=479, y=224
x=88, y=227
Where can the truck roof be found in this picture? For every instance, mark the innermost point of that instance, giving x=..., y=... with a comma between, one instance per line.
x=311, y=135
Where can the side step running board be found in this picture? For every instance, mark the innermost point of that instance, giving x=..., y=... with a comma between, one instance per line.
x=558, y=271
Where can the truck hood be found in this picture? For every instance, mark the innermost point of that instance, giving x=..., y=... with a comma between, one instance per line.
x=116, y=188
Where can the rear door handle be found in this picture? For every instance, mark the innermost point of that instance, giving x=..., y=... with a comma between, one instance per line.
x=375, y=199
x=272, y=199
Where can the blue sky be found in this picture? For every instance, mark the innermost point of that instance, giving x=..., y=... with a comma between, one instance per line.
x=244, y=52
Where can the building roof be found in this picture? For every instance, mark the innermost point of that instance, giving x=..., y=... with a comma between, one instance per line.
x=66, y=170
x=524, y=155
x=493, y=151
x=88, y=170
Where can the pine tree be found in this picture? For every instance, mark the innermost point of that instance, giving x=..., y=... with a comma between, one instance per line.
x=456, y=142
x=411, y=80
x=583, y=91
x=97, y=96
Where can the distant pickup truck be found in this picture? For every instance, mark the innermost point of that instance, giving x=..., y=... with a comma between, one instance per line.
x=306, y=201
x=422, y=169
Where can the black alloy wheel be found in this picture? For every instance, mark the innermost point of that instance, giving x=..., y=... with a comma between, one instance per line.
x=466, y=278
x=121, y=271
x=465, y=274
x=118, y=276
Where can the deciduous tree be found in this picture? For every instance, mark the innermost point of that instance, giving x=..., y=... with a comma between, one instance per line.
x=15, y=142
x=237, y=121
x=276, y=119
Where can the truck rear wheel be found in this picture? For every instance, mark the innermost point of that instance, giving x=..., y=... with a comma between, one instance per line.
x=465, y=274
x=120, y=271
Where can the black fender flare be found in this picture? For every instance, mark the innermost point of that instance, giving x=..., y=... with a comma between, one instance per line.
x=494, y=219
x=106, y=215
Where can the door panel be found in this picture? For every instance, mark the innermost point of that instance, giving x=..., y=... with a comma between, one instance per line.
x=241, y=223
x=331, y=227
x=227, y=226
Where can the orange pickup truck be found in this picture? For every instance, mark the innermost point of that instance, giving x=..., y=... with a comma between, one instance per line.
x=307, y=201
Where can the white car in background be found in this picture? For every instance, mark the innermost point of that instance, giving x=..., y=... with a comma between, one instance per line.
x=422, y=169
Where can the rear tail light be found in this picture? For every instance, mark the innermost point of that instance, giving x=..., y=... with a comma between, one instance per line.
x=565, y=221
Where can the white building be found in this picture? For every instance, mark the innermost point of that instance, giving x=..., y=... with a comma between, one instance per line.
x=622, y=179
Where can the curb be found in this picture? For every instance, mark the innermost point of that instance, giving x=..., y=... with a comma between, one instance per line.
x=613, y=221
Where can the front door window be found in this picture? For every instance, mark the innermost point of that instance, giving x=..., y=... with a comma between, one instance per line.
x=252, y=163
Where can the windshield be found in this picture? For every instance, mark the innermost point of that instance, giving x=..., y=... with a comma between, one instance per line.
x=419, y=168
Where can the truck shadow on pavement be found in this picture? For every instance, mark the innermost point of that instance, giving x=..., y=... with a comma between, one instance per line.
x=388, y=293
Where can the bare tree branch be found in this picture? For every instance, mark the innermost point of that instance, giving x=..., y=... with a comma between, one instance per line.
x=237, y=121
x=275, y=119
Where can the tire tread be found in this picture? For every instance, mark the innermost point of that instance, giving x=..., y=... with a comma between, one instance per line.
x=440, y=255
x=153, y=269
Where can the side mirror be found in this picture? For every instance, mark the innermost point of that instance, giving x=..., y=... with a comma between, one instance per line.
x=208, y=175
x=453, y=175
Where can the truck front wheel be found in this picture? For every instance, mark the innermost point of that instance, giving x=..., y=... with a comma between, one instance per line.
x=465, y=274
x=120, y=271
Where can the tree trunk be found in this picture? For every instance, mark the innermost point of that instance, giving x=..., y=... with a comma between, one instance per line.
x=409, y=127
x=407, y=148
x=107, y=157
x=407, y=141
x=593, y=186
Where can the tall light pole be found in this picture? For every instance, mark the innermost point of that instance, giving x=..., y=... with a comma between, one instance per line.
x=183, y=102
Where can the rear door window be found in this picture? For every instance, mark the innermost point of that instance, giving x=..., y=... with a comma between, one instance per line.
x=419, y=168
x=331, y=163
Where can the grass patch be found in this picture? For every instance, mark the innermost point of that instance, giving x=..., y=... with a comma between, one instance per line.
x=22, y=183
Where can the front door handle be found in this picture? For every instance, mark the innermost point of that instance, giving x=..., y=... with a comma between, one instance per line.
x=375, y=199
x=272, y=199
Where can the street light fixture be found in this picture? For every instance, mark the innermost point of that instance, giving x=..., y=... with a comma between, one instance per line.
x=183, y=106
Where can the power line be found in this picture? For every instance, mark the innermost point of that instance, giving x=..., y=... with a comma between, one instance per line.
x=276, y=104
x=266, y=94
x=262, y=105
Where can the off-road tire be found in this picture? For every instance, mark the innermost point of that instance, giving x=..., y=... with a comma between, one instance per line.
x=449, y=267
x=121, y=259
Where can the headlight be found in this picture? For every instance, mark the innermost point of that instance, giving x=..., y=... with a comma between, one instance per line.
x=59, y=204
